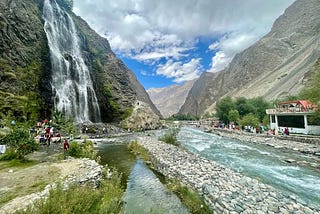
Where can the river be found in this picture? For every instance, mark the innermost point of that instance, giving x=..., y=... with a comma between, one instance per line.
x=144, y=191
x=262, y=162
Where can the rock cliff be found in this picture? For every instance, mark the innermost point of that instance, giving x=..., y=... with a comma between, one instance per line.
x=169, y=100
x=25, y=68
x=276, y=66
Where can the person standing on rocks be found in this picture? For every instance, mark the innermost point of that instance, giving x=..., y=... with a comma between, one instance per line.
x=66, y=147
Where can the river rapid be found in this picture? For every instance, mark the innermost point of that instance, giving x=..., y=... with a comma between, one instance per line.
x=267, y=164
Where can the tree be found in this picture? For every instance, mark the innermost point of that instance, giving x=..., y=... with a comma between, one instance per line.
x=243, y=106
x=234, y=116
x=260, y=106
x=250, y=120
x=223, y=107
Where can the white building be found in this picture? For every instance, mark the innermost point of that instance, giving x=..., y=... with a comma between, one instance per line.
x=294, y=115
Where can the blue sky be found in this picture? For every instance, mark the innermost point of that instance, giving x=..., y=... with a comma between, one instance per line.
x=172, y=41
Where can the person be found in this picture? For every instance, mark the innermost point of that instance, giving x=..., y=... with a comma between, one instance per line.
x=286, y=131
x=66, y=147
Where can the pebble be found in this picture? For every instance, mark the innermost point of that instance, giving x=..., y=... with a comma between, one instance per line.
x=225, y=191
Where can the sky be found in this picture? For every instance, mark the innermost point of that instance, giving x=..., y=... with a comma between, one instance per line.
x=166, y=42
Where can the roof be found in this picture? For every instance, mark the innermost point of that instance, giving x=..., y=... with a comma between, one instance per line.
x=304, y=103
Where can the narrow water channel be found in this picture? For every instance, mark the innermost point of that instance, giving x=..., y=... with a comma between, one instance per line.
x=258, y=161
x=145, y=193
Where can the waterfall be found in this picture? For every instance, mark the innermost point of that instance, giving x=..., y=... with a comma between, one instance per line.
x=71, y=81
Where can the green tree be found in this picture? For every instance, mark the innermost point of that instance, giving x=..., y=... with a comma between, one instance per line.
x=234, y=115
x=243, y=106
x=250, y=120
x=223, y=107
x=260, y=106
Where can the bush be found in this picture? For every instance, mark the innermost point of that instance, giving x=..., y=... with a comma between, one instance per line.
x=107, y=198
x=170, y=137
x=20, y=144
x=83, y=150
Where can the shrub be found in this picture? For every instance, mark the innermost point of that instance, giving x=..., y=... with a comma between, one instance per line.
x=20, y=144
x=107, y=198
x=170, y=137
x=83, y=150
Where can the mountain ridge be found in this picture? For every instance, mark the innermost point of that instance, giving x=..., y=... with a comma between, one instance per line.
x=276, y=66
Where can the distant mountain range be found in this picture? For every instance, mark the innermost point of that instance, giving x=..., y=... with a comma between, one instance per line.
x=169, y=100
x=276, y=66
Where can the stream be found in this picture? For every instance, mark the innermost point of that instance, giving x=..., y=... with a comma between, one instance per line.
x=262, y=162
x=144, y=191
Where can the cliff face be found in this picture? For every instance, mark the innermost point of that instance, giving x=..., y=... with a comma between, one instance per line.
x=169, y=100
x=24, y=60
x=276, y=66
x=25, y=68
x=116, y=86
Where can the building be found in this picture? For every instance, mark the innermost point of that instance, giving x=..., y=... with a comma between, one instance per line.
x=294, y=115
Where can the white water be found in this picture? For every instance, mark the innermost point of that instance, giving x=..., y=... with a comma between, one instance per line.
x=258, y=161
x=71, y=81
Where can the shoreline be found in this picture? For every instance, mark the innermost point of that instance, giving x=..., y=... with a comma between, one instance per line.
x=298, y=144
x=224, y=190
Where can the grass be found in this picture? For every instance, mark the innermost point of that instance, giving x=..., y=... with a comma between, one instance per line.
x=16, y=164
x=170, y=137
x=107, y=198
x=139, y=151
x=189, y=198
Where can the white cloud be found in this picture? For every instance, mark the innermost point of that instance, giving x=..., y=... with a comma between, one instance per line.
x=228, y=46
x=180, y=71
x=151, y=30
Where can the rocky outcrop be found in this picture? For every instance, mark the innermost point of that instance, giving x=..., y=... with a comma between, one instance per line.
x=24, y=59
x=142, y=118
x=276, y=66
x=25, y=68
x=170, y=99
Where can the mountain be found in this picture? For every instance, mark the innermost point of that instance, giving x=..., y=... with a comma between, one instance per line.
x=51, y=59
x=170, y=99
x=276, y=66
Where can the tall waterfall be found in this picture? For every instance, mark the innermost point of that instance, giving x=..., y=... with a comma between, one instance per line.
x=71, y=81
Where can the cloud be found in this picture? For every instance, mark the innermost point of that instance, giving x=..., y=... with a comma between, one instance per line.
x=228, y=46
x=179, y=71
x=148, y=31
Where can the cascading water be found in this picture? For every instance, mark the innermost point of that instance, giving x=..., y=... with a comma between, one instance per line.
x=71, y=82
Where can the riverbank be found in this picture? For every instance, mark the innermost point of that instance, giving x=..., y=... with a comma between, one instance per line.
x=224, y=190
x=306, y=145
x=22, y=186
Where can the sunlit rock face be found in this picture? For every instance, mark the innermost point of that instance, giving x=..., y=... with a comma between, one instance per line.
x=142, y=118
x=276, y=66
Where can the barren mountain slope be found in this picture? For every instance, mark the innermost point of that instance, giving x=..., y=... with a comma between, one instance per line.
x=277, y=65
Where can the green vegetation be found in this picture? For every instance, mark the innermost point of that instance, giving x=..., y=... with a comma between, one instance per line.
x=83, y=150
x=312, y=93
x=19, y=143
x=107, y=198
x=22, y=100
x=189, y=198
x=170, y=136
x=242, y=111
x=183, y=117
x=64, y=124
x=139, y=151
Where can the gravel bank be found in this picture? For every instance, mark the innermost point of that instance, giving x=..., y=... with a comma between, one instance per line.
x=223, y=189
